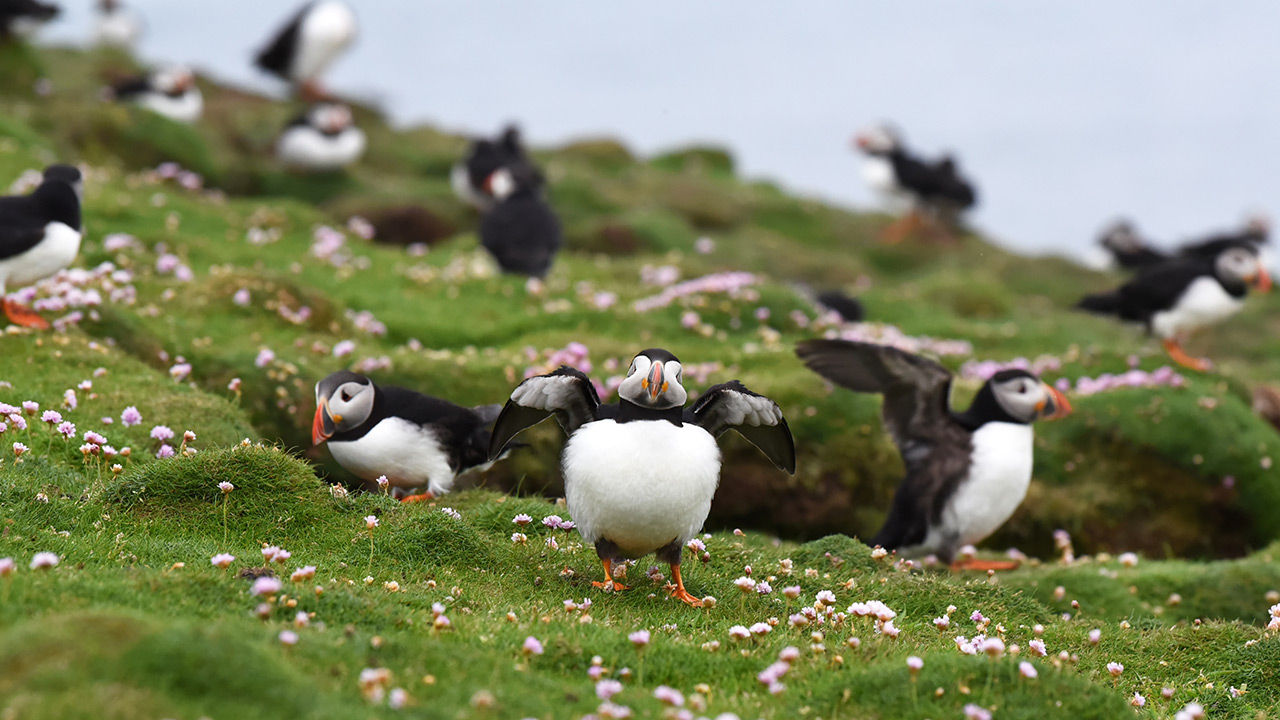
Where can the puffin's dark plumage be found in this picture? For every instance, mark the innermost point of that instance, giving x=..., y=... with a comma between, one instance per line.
x=1186, y=293
x=967, y=471
x=1131, y=251
x=937, y=184
x=277, y=57
x=849, y=308
x=413, y=439
x=470, y=177
x=640, y=475
x=15, y=12
x=39, y=235
x=1127, y=248
x=311, y=39
x=521, y=231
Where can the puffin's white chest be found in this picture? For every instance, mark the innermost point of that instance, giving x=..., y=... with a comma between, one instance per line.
x=304, y=146
x=185, y=108
x=1204, y=302
x=410, y=455
x=640, y=484
x=56, y=251
x=879, y=176
x=325, y=32
x=460, y=179
x=998, y=479
x=118, y=28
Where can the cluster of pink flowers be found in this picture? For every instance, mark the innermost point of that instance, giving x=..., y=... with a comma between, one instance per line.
x=731, y=283
x=984, y=369
x=1164, y=376
x=660, y=275
x=169, y=264
x=771, y=677
x=1273, y=623
x=882, y=334
x=328, y=244
x=79, y=290
x=575, y=355
x=187, y=179
x=365, y=322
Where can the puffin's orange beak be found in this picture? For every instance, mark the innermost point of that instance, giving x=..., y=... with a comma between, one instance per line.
x=1262, y=280
x=861, y=141
x=322, y=426
x=1055, y=406
x=656, y=385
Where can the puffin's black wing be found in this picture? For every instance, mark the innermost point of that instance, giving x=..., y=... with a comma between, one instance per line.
x=277, y=57
x=566, y=393
x=935, y=448
x=522, y=233
x=755, y=417
x=1154, y=289
x=22, y=223
x=131, y=87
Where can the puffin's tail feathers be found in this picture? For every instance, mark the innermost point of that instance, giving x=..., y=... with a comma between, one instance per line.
x=1102, y=303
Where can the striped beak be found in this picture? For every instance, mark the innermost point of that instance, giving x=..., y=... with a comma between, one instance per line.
x=1055, y=404
x=1262, y=280
x=655, y=383
x=322, y=427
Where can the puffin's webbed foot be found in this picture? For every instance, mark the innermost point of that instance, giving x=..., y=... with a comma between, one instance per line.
x=984, y=565
x=609, y=584
x=679, y=592
x=1180, y=356
x=420, y=497
x=23, y=316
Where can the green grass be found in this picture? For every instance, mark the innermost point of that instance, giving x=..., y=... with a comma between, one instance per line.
x=119, y=629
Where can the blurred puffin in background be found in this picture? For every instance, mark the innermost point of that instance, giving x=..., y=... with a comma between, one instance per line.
x=322, y=138
x=1186, y=293
x=305, y=47
x=520, y=231
x=39, y=235
x=966, y=472
x=933, y=194
x=171, y=92
x=470, y=176
x=22, y=18
x=1128, y=250
x=116, y=25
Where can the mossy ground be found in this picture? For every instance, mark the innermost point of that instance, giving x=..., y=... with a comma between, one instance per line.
x=116, y=630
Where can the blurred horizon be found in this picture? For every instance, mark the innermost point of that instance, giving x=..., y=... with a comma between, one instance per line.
x=1066, y=117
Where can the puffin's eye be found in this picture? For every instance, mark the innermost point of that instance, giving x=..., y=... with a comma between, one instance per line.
x=346, y=396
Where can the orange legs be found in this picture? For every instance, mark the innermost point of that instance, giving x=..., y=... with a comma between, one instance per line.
x=23, y=316
x=984, y=565
x=420, y=497
x=609, y=583
x=1180, y=356
x=679, y=592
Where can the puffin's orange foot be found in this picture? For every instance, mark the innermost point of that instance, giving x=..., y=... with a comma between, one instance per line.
x=683, y=596
x=24, y=317
x=1180, y=356
x=610, y=585
x=984, y=565
x=421, y=497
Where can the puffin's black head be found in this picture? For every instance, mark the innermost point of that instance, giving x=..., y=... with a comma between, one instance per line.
x=344, y=401
x=653, y=381
x=510, y=141
x=1238, y=263
x=878, y=140
x=1017, y=396
x=69, y=174
x=1121, y=236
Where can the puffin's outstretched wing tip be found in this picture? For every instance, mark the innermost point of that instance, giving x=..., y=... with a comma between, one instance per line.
x=754, y=416
x=566, y=393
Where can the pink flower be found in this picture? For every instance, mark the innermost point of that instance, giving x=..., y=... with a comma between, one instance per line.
x=52, y=417
x=306, y=572
x=94, y=438
x=914, y=664
x=241, y=298
x=761, y=629
x=161, y=433
x=67, y=429
x=976, y=712
x=739, y=632
x=532, y=646
x=44, y=560
x=668, y=696
x=265, y=585
x=607, y=688
x=344, y=348
x=1038, y=648
x=222, y=560
x=382, y=481
x=371, y=521
x=1115, y=669
x=165, y=451
x=522, y=519
x=451, y=513
x=639, y=638
x=19, y=449
x=1095, y=636
x=1138, y=701
x=689, y=320
x=264, y=358
x=226, y=487
x=288, y=637
x=180, y=371
x=1027, y=670
x=30, y=407
x=7, y=566
x=993, y=647
x=704, y=246
x=130, y=416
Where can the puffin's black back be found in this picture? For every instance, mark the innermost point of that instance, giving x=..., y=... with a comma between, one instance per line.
x=23, y=218
x=933, y=182
x=131, y=87
x=463, y=432
x=277, y=58
x=1155, y=289
x=522, y=233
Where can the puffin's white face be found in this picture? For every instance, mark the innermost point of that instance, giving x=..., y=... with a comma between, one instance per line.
x=877, y=140
x=343, y=401
x=174, y=80
x=332, y=118
x=1026, y=398
x=654, y=384
x=1242, y=265
x=501, y=183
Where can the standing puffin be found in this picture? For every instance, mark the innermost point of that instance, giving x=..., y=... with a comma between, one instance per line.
x=639, y=476
x=1185, y=294
x=23, y=17
x=170, y=92
x=521, y=231
x=414, y=440
x=304, y=48
x=966, y=471
x=484, y=157
x=934, y=192
x=323, y=138
x=117, y=26
x=39, y=235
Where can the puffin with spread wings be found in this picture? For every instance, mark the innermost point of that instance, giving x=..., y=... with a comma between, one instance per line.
x=639, y=475
x=966, y=471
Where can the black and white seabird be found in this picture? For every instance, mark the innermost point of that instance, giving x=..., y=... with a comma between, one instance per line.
x=933, y=191
x=1184, y=294
x=22, y=18
x=323, y=138
x=520, y=231
x=416, y=441
x=39, y=235
x=305, y=47
x=639, y=475
x=470, y=176
x=1127, y=248
x=1131, y=251
x=171, y=92
x=117, y=26
x=967, y=472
